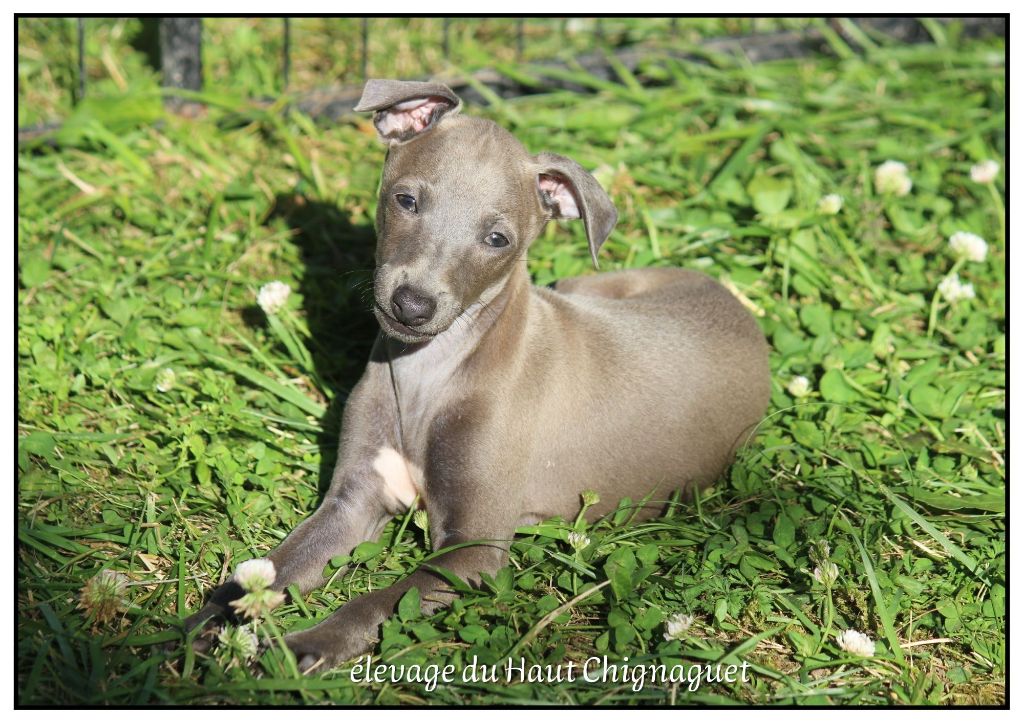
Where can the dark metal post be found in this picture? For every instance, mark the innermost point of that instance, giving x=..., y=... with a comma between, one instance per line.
x=286, y=60
x=81, y=60
x=599, y=31
x=519, y=38
x=181, y=56
x=365, y=30
x=444, y=39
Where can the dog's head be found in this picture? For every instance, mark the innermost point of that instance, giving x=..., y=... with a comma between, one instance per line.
x=461, y=200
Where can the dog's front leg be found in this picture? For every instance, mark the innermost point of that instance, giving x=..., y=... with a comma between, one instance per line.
x=351, y=513
x=356, y=507
x=355, y=628
x=473, y=506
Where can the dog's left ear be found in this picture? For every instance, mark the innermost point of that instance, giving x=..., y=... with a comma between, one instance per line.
x=566, y=190
x=405, y=109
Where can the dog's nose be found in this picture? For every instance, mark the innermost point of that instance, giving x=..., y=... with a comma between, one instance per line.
x=411, y=308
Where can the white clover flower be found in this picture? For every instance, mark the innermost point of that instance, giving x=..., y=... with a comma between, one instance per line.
x=826, y=573
x=104, y=595
x=831, y=204
x=240, y=640
x=258, y=603
x=857, y=643
x=256, y=574
x=677, y=626
x=892, y=177
x=953, y=290
x=164, y=380
x=799, y=386
x=820, y=551
x=273, y=296
x=576, y=25
x=985, y=172
x=971, y=246
x=578, y=540
x=753, y=105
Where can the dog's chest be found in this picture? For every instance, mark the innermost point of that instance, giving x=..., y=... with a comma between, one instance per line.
x=424, y=382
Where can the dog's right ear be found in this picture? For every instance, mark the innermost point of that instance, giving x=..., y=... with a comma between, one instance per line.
x=405, y=109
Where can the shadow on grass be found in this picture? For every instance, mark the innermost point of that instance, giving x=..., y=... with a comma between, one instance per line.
x=337, y=296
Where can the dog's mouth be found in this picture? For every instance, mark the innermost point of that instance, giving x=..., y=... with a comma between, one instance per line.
x=396, y=329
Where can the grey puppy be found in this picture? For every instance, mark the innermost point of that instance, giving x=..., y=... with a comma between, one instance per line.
x=496, y=403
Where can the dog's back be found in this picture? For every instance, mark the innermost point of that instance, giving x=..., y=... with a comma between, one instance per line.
x=631, y=383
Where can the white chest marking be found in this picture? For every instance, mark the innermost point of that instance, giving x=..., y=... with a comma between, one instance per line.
x=403, y=480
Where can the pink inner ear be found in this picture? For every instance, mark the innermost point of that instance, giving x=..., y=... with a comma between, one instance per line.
x=558, y=193
x=408, y=118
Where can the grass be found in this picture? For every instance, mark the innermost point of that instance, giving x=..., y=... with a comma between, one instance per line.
x=243, y=57
x=143, y=239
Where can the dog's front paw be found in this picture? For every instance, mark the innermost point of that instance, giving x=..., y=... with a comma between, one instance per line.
x=309, y=655
x=213, y=615
x=312, y=652
x=327, y=646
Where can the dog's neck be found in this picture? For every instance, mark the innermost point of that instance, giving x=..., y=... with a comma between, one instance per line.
x=422, y=373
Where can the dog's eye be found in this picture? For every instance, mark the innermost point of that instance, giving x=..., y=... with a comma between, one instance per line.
x=406, y=201
x=496, y=240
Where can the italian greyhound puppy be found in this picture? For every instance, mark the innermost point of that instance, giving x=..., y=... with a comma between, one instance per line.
x=495, y=403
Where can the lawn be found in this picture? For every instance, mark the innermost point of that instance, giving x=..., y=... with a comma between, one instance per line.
x=169, y=429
